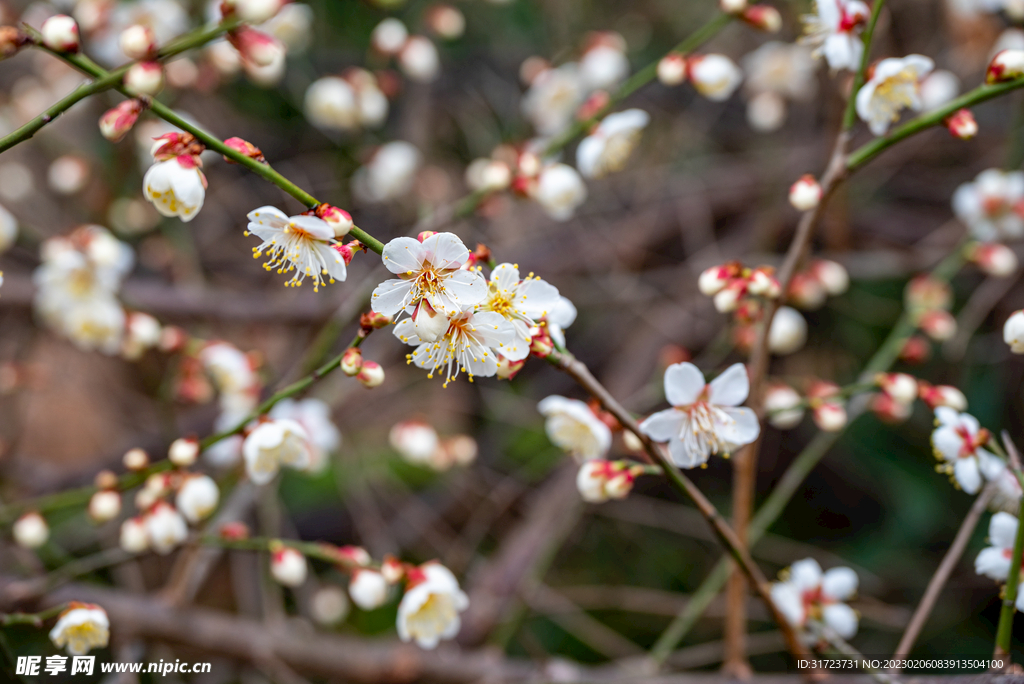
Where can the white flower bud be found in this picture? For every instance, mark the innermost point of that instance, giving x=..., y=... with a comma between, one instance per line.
x=60, y=33
x=166, y=528
x=590, y=481
x=371, y=374
x=389, y=36
x=183, y=451
x=995, y=259
x=900, y=386
x=329, y=605
x=830, y=416
x=831, y=275
x=30, y=531
x=104, y=505
x=1005, y=66
x=1013, y=332
x=197, y=497
x=805, y=194
x=134, y=537
x=288, y=567
x=782, y=404
x=728, y=299
x=788, y=332
x=137, y=41
x=258, y=11
x=715, y=77
x=713, y=279
x=419, y=59
x=672, y=69
x=732, y=6
x=144, y=78
x=368, y=589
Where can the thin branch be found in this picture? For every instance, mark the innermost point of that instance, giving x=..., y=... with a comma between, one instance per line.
x=1004, y=633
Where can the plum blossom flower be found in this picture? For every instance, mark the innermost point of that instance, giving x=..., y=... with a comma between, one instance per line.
x=1007, y=493
x=389, y=174
x=776, y=72
x=429, y=610
x=368, y=588
x=415, y=440
x=705, y=418
x=806, y=594
x=994, y=561
x=165, y=528
x=992, y=206
x=559, y=190
x=609, y=145
x=560, y=317
x=471, y=344
x=522, y=302
x=716, y=77
x=272, y=444
x=573, y=427
x=553, y=97
x=833, y=32
x=288, y=567
x=604, y=63
x=315, y=417
x=959, y=440
x=302, y=243
x=176, y=186
x=81, y=628
x=895, y=85
x=430, y=271
x=197, y=497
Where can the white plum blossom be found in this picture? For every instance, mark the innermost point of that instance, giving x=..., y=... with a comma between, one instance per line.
x=561, y=316
x=559, y=190
x=609, y=145
x=134, y=538
x=272, y=444
x=788, y=332
x=522, y=302
x=419, y=59
x=429, y=610
x=176, y=186
x=389, y=174
x=288, y=567
x=430, y=271
x=716, y=77
x=938, y=88
x=959, y=440
x=705, y=418
x=553, y=97
x=992, y=205
x=330, y=103
x=415, y=440
x=197, y=498
x=165, y=528
x=1007, y=492
x=30, y=531
x=604, y=65
x=304, y=244
x=81, y=628
x=806, y=594
x=471, y=344
x=315, y=417
x=573, y=427
x=894, y=86
x=368, y=589
x=775, y=72
x=833, y=32
x=995, y=561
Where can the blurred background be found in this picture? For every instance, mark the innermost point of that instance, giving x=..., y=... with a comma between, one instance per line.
x=587, y=583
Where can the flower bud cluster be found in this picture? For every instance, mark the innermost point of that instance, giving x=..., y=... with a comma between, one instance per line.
x=928, y=301
x=600, y=480
x=417, y=442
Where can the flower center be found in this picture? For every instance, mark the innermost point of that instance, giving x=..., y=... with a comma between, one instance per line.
x=894, y=89
x=500, y=302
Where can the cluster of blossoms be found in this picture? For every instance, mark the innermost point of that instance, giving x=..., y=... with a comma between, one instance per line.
x=928, y=301
x=347, y=102
x=279, y=441
x=457, y=320
x=77, y=285
x=959, y=443
x=417, y=442
x=810, y=599
x=995, y=561
x=416, y=56
x=175, y=184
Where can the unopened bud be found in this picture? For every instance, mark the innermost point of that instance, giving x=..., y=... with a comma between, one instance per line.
x=541, y=344
x=994, y=259
x=256, y=47
x=60, y=33
x=446, y=21
x=938, y=324
x=392, y=569
x=104, y=505
x=830, y=416
x=715, y=77
x=338, y=219
x=762, y=282
x=763, y=17
x=806, y=292
x=351, y=361
x=30, y=531
x=900, y=386
x=672, y=69
x=915, y=350
x=134, y=536
x=728, y=298
x=508, y=369
x=732, y=6
x=11, y=40
x=1013, y=332
x=136, y=459
x=137, y=42
x=783, y=406
x=1005, y=66
x=389, y=36
x=105, y=479
x=888, y=410
x=962, y=125
x=245, y=148
x=419, y=59
x=425, y=234
x=805, y=194
x=234, y=530
x=368, y=589
x=288, y=567
x=183, y=451
x=832, y=276
x=144, y=78
x=942, y=395
x=374, y=321
x=714, y=279
x=355, y=555
x=788, y=332
x=370, y=374
x=925, y=292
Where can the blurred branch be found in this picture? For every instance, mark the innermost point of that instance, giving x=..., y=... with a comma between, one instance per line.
x=1004, y=633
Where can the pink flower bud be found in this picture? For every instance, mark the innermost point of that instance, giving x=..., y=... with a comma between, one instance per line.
x=425, y=234
x=170, y=145
x=831, y=275
x=830, y=416
x=994, y=259
x=541, y=344
x=1005, y=66
x=924, y=292
x=116, y=122
x=288, y=567
x=915, y=350
x=183, y=451
x=806, y=292
x=144, y=78
x=104, y=505
x=805, y=194
x=962, y=125
x=234, y=530
x=714, y=279
x=60, y=33
x=763, y=17
x=783, y=406
x=762, y=282
x=672, y=69
x=246, y=148
x=137, y=42
x=370, y=374
x=256, y=47
x=374, y=321
x=392, y=569
x=12, y=40
x=888, y=410
x=338, y=219
x=351, y=361
x=938, y=324
x=593, y=105
x=508, y=369
x=900, y=386
x=942, y=395
x=446, y=21
x=346, y=251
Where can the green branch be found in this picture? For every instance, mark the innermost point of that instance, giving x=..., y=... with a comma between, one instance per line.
x=850, y=116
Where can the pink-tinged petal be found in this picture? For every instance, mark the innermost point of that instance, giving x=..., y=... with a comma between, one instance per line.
x=788, y=600
x=740, y=426
x=1002, y=530
x=403, y=255
x=505, y=277
x=335, y=264
x=731, y=387
x=839, y=584
x=390, y=296
x=992, y=562
x=686, y=456
x=970, y=422
x=805, y=574
x=663, y=425
x=683, y=384
x=268, y=215
x=967, y=474
x=465, y=289
x=445, y=251
x=841, y=618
